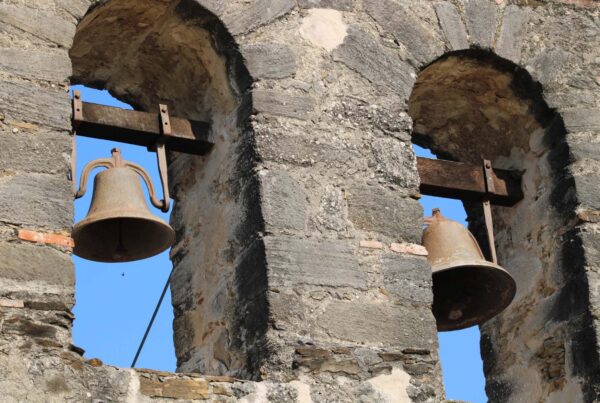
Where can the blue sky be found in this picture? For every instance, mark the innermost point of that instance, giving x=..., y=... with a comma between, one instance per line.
x=114, y=302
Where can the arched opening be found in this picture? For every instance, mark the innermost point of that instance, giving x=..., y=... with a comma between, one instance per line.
x=179, y=54
x=472, y=105
x=115, y=302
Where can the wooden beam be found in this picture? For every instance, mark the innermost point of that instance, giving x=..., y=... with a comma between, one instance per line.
x=141, y=128
x=456, y=180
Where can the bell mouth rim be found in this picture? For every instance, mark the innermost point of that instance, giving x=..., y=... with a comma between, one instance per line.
x=489, y=267
x=80, y=227
x=468, y=263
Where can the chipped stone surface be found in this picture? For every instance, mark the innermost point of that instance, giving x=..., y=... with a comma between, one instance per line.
x=283, y=104
x=371, y=208
x=481, y=22
x=25, y=262
x=512, y=33
x=269, y=60
x=284, y=201
x=324, y=28
x=36, y=200
x=404, y=21
x=362, y=52
x=452, y=25
x=319, y=262
x=297, y=264
x=245, y=16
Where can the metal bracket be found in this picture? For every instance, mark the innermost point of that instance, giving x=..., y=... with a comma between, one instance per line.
x=77, y=108
x=488, y=175
x=161, y=157
x=165, y=121
x=77, y=116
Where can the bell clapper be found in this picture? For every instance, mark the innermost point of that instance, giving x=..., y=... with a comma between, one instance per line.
x=120, y=251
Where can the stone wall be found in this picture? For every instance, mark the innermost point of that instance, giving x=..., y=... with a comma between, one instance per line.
x=297, y=265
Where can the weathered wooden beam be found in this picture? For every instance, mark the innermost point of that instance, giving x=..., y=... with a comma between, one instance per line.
x=456, y=180
x=141, y=128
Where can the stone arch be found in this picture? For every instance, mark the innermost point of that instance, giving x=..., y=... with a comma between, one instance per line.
x=181, y=54
x=522, y=41
x=472, y=104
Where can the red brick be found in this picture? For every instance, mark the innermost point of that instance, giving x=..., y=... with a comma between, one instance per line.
x=46, y=238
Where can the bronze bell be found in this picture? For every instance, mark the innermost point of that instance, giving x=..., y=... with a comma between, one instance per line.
x=119, y=227
x=467, y=289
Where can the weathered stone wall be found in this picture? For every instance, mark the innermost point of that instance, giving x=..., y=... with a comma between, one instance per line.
x=472, y=105
x=296, y=264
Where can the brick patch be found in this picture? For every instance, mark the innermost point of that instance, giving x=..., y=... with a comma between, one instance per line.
x=46, y=238
x=410, y=248
x=371, y=244
x=11, y=303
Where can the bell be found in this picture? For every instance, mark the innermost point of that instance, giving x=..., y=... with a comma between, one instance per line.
x=467, y=289
x=119, y=227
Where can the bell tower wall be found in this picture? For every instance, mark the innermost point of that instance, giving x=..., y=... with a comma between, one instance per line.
x=298, y=274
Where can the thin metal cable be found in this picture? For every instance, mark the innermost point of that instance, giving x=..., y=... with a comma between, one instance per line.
x=160, y=300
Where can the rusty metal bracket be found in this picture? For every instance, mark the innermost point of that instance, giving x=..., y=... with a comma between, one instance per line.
x=77, y=108
x=161, y=157
x=140, y=128
x=488, y=175
x=457, y=180
x=77, y=117
x=165, y=121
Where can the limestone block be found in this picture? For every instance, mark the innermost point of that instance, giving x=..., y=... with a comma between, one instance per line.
x=374, y=208
x=396, y=160
x=588, y=191
x=581, y=119
x=283, y=202
x=407, y=278
x=47, y=64
x=481, y=22
x=452, y=25
x=216, y=7
x=269, y=60
x=251, y=272
x=293, y=261
x=555, y=98
x=40, y=105
x=342, y=5
x=281, y=103
x=36, y=200
x=182, y=293
x=40, y=23
x=364, y=54
x=403, y=24
x=174, y=388
x=309, y=148
x=44, y=152
x=243, y=17
x=548, y=65
x=77, y=8
x=26, y=262
x=512, y=33
x=394, y=325
x=581, y=151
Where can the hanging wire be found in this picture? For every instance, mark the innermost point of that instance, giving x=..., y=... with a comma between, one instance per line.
x=160, y=300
